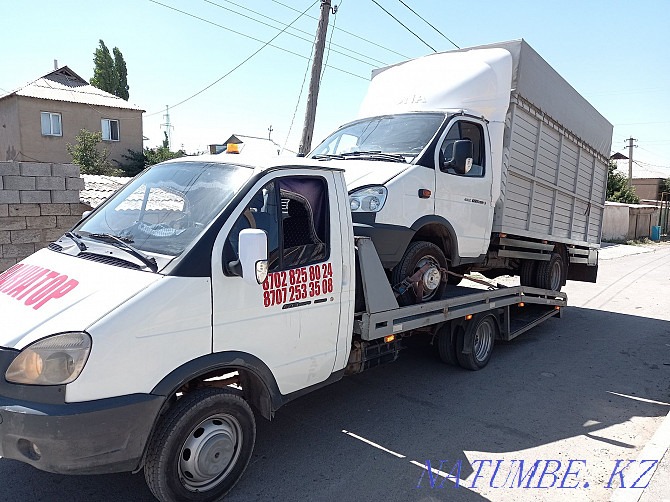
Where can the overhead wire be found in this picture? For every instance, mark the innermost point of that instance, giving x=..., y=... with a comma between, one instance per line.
x=404, y=25
x=429, y=24
x=377, y=61
x=265, y=44
x=345, y=31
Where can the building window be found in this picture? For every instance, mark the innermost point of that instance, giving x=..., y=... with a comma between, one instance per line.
x=110, y=130
x=51, y=124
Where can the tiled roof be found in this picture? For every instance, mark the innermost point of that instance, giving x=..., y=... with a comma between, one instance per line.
x=65, y=85
x=98, y=188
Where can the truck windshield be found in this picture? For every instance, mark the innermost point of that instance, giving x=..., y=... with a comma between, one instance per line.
x=403, y=135
x=167, y=207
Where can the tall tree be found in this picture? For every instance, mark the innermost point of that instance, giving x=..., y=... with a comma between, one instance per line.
x=122, y=72
x=105, y=75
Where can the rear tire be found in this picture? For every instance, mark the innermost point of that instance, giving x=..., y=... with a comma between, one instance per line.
x=482, y=334
x=446, y=345
x=550, y=273
x=527, y=273
x=418, y=254
x=201, y=447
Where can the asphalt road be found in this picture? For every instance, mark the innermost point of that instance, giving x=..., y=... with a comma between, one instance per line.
x=591, y=387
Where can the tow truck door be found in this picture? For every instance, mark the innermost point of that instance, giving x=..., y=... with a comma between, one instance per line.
x=291, y=321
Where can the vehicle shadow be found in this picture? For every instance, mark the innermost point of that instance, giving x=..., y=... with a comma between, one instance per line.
x=562, y=379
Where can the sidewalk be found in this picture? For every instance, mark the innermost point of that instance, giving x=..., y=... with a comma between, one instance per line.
x=658, y=488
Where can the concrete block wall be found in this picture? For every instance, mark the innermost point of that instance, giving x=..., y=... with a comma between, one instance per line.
x=39, y=201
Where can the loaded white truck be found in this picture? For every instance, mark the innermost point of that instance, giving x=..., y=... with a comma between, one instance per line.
x=203, y=291
x=482, y=159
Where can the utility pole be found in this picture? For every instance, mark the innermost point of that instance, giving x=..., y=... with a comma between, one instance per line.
x=168, y=126
x=630, y=160
x=310, y=113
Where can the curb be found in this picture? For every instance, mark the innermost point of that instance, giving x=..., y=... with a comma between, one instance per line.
x=658, y=448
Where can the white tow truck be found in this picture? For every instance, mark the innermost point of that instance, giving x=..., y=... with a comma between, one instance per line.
x=202, y=290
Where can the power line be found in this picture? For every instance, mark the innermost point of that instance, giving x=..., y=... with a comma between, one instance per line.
x=345, y=31
x=403, y=25
x=377, y=61
x=419, y=16
x=265, y=44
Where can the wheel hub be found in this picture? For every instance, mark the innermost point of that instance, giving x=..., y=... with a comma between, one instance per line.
x=431, y=277
x=209, y=452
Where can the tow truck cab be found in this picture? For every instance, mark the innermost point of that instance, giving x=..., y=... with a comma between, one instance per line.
x=155, y=291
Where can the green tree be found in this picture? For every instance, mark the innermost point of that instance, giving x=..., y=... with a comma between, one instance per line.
x=87, y=156
x=138, y=161
x=122, y=72
x=665, y=187
x=617, y=187
x=105, y=75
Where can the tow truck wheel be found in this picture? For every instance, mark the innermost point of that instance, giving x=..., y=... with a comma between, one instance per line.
x=417, y=255
x=479, y=337
x=446, y=345
x=201, y=447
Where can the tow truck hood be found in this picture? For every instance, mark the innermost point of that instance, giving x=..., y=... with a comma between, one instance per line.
x=50, y=293
x=358, y=173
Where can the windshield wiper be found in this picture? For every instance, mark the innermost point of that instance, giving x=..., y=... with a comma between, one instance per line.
x=327, y=156
x=375, y=154
x=123, y=244
x=75, y=238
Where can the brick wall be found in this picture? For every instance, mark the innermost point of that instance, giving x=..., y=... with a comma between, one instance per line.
x=38, y=202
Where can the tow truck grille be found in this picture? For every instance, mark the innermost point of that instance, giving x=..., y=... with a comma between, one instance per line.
x=109, y=260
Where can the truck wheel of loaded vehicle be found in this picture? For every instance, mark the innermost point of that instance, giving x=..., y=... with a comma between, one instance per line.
x=417, y=255
x=480, y=337
x=550, y=273
x=201, y=446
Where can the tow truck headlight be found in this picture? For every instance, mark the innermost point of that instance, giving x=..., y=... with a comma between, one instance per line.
x=55, y=360
x=368, y=200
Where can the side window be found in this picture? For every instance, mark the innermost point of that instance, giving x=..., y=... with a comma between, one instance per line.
x=465, y=130
x=304, y=221
x=293, y=213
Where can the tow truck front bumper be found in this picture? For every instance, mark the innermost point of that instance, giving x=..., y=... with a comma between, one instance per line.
x=93, y=437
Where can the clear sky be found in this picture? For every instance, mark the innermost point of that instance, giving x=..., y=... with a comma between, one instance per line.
x=614, y=52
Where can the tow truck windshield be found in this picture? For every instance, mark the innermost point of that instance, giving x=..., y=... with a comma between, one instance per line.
x=393, y=138
x=166, y=208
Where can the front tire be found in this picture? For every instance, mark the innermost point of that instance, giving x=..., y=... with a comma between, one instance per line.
x=417, y=255
x=201, y=447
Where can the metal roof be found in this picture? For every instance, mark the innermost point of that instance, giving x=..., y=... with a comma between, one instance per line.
x=65, y=85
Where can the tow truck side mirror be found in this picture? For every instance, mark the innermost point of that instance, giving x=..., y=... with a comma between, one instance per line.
x=253, y=251
x=461, y=161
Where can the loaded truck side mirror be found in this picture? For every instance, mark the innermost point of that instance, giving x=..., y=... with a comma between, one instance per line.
x=253, y=251
x=461, y=160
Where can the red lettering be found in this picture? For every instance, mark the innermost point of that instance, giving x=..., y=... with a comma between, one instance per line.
x=28, y=280
x=59, y=291
x=10, y=272
x=41, y=293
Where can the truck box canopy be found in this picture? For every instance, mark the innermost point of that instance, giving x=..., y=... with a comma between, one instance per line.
x=532, y=78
